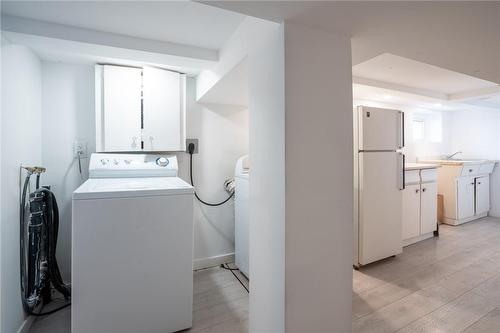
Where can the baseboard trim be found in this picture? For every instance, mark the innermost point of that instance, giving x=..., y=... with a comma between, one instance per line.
x=26, y=325
x=417, y=239
x=450, y=221
x=213, y=261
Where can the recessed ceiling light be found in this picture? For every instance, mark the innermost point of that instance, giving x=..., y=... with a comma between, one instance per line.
x=438, y=105
x=387, y=96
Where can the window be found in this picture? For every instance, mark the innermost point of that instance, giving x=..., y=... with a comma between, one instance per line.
x=418, y=130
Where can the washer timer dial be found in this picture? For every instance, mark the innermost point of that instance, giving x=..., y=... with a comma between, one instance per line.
x=162, y=161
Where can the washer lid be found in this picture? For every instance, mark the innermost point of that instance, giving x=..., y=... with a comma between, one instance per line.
x=101, y=188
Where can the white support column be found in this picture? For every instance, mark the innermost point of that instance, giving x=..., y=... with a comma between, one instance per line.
x=267, y=181
x=319, y=181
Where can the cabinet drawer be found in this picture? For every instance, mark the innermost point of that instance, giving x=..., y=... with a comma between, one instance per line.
x=486, y=168
x=470, y=170
x=428, y=175
x=412, y=177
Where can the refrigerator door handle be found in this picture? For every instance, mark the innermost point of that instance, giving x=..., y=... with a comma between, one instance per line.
x=402, y=177
x=403, y=167
x=401, y=129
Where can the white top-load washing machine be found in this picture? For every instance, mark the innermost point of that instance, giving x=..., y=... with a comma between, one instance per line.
x=132, y=246
x=241, y=214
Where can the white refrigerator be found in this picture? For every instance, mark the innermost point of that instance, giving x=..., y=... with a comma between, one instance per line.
x=378, y=183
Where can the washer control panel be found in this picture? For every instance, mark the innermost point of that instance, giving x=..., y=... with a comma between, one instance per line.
x=108, y=165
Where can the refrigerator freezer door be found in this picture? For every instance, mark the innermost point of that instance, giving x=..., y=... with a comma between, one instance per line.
x=380, y=206
x=380, y=129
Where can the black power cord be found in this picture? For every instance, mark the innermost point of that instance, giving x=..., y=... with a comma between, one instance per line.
x=191, y=151
x=226, y=266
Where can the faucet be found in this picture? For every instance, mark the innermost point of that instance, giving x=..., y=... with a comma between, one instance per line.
x=449, y=157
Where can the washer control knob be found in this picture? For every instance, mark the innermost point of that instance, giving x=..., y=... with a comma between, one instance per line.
x=127, y=161
x=116, y=162
x=162, y=161
x=104, y=161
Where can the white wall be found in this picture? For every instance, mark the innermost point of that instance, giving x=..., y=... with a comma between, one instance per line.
x=319, y=180
x=222, y=131
x=21, y=137
x=477, y=134
x=68, y=115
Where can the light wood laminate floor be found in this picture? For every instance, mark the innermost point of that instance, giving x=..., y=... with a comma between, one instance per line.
x=220, y=304
x=446, y=284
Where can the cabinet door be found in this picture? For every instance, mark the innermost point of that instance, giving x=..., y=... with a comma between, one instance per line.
x=482, y=194
x=121, y=108
x=465, y=197
x=163, y=110
x=411, y=211
x=428, y=208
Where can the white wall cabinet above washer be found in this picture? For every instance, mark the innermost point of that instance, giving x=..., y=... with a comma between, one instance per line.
x=140, y=109
x=121, y=106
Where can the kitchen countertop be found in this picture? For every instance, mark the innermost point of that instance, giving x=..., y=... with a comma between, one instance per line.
x=458, y=162
x=420, y=166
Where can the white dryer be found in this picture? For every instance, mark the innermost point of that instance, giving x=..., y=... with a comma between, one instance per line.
x=132, y=246
x=241, y=213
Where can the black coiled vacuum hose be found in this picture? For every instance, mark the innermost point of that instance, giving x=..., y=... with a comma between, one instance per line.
x=38, y=244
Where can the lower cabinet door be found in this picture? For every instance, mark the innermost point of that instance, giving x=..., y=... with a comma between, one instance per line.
x=411, y=211
x=465, y=197
x=428, y=208
x=482, y=194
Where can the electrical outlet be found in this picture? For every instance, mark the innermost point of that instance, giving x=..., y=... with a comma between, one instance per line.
x=195, y=141
x=80, y=148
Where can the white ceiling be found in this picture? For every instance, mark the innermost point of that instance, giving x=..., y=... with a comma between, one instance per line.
x=182, y=22
x=458, y=35
x=492, y=102
x=399, y=98
x=410, y=73
x=401, y=81
x=74, y=52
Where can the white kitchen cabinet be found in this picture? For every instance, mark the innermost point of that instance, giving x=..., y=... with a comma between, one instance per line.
x=428, y=207
x=140, y=109
x=465, y=197
x=482, y=194
x=419, y=205
x=121, y=104
x=464, y=186
x=164, y=100
x=411, y=211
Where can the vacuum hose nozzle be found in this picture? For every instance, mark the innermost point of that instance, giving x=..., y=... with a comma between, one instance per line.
x=35, y=169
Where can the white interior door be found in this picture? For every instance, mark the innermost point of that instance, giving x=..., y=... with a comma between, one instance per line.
x=122, y=108
x=163, y=110
x=380, y=129
x=465, y=197
x=428, y=208
x=482, y=194
x=380, y=206
x=411, y=211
